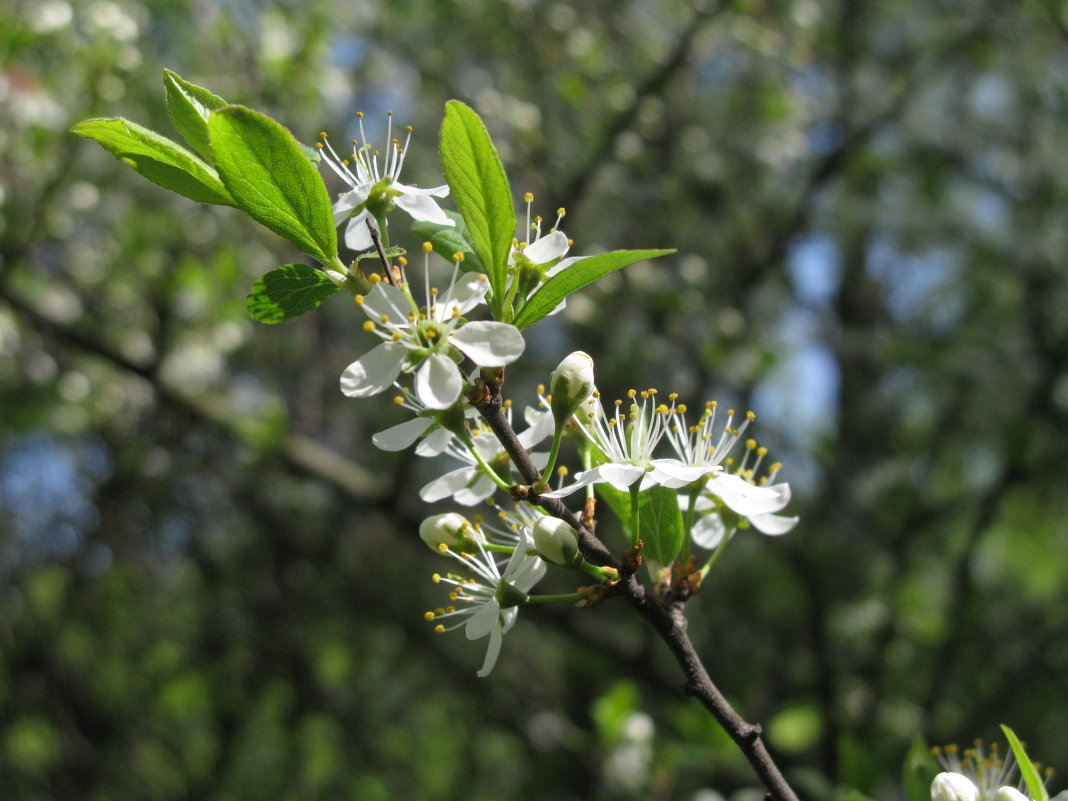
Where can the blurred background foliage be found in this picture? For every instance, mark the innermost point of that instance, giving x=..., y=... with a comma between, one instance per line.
x=210, y=583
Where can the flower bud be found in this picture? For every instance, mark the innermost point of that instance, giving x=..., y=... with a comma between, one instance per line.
x=570, y=384
x=450, y=528
x=556, y=541
x=1008, y=793
x=953, y=787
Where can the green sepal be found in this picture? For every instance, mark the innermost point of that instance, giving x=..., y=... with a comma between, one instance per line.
x=478, y=183
x=189, y=107
x=1035, y=786
x=157, y=158
x=448, y=240
x=270, y=178
x=287, y=292
x=574, y=277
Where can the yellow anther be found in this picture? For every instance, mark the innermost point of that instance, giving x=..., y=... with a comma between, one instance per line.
x=403, y=262
x=730, y=412
x=398, y=399
x=389, y=113
x=427, y=247
x=443, y=547
x=508, y=404
x=682, y=408
x=631, y=393
x=596, y=393
x=439, y=629
x=382, y=318
x=374, y=278
x=751, y=416
x=319, y=145
x=436, y=578
x=561, y=212
x=357, y=299
x=359, y=114
x=562, y=471
x=711, y=404
x=428, y=616
x=750, y=444
x=541, y=389
x=408, y=128
x=369, y=325
x=457, y=257
x=762, y=451
x=776, y=466
x=528, y=197
x=570, y=242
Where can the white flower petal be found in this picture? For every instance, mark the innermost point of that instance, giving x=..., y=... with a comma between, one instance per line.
x=476, y=493
x=421, y=207
x=462, y=296
x=484, y=620
x=744, y=498
x=492, y=652
x=349, y=202
x=560, y=266
x=620, y=476
x=389, y=302
x=374, y=372
x=708, y=531
x=438, y=382
x=541, y=427
x=773, y=525
x=402, y=435
x=436, y=191
x=357, y=235
x=551, y=246
x=434, y=443
x=448, y=484
x=489, y=344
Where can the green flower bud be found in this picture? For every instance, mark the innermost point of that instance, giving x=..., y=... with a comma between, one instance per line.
x=451, y=529
x=556, y=541
x=570, y=384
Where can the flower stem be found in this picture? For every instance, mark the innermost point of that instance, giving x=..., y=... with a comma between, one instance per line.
x=635, y=519
x=554, y=451
x=489, y=471
x=554, y=599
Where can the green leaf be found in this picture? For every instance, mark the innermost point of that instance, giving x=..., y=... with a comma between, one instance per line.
x=287, y=292
x=449, y=240
x=660, y=520
x=157, y=158
x=272, y=180
x=1035, y=786
x=475, y=175
x=189, y=107
x=576, y=276
x=659, y=517
x=919, y=769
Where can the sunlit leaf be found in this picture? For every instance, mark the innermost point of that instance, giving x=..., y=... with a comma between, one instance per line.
x=287, y=292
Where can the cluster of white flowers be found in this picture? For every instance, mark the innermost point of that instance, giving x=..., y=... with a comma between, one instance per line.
x=975, y=774
x=430, y=339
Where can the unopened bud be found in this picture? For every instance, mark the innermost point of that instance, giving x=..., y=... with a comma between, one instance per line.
x=556, y=541
x=570, y=384
x=450, y=528
x=953, y=787
x=1008, y=793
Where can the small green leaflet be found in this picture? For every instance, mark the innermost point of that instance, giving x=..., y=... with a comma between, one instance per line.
x=659, y=518
x=272, y=180
x=189, y=107
x=476, y=178
x=574, y=277
x=391, y=253
x=450, y=240
x=157, y=158
x=1035, y=786
x=919, y=768
x=287, y=292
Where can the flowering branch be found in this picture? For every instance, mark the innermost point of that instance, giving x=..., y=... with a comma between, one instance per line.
x=666, y=618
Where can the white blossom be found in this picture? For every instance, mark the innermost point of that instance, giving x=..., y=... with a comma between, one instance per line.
x=363, y=172
x=428, y=340
x=480, y=603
